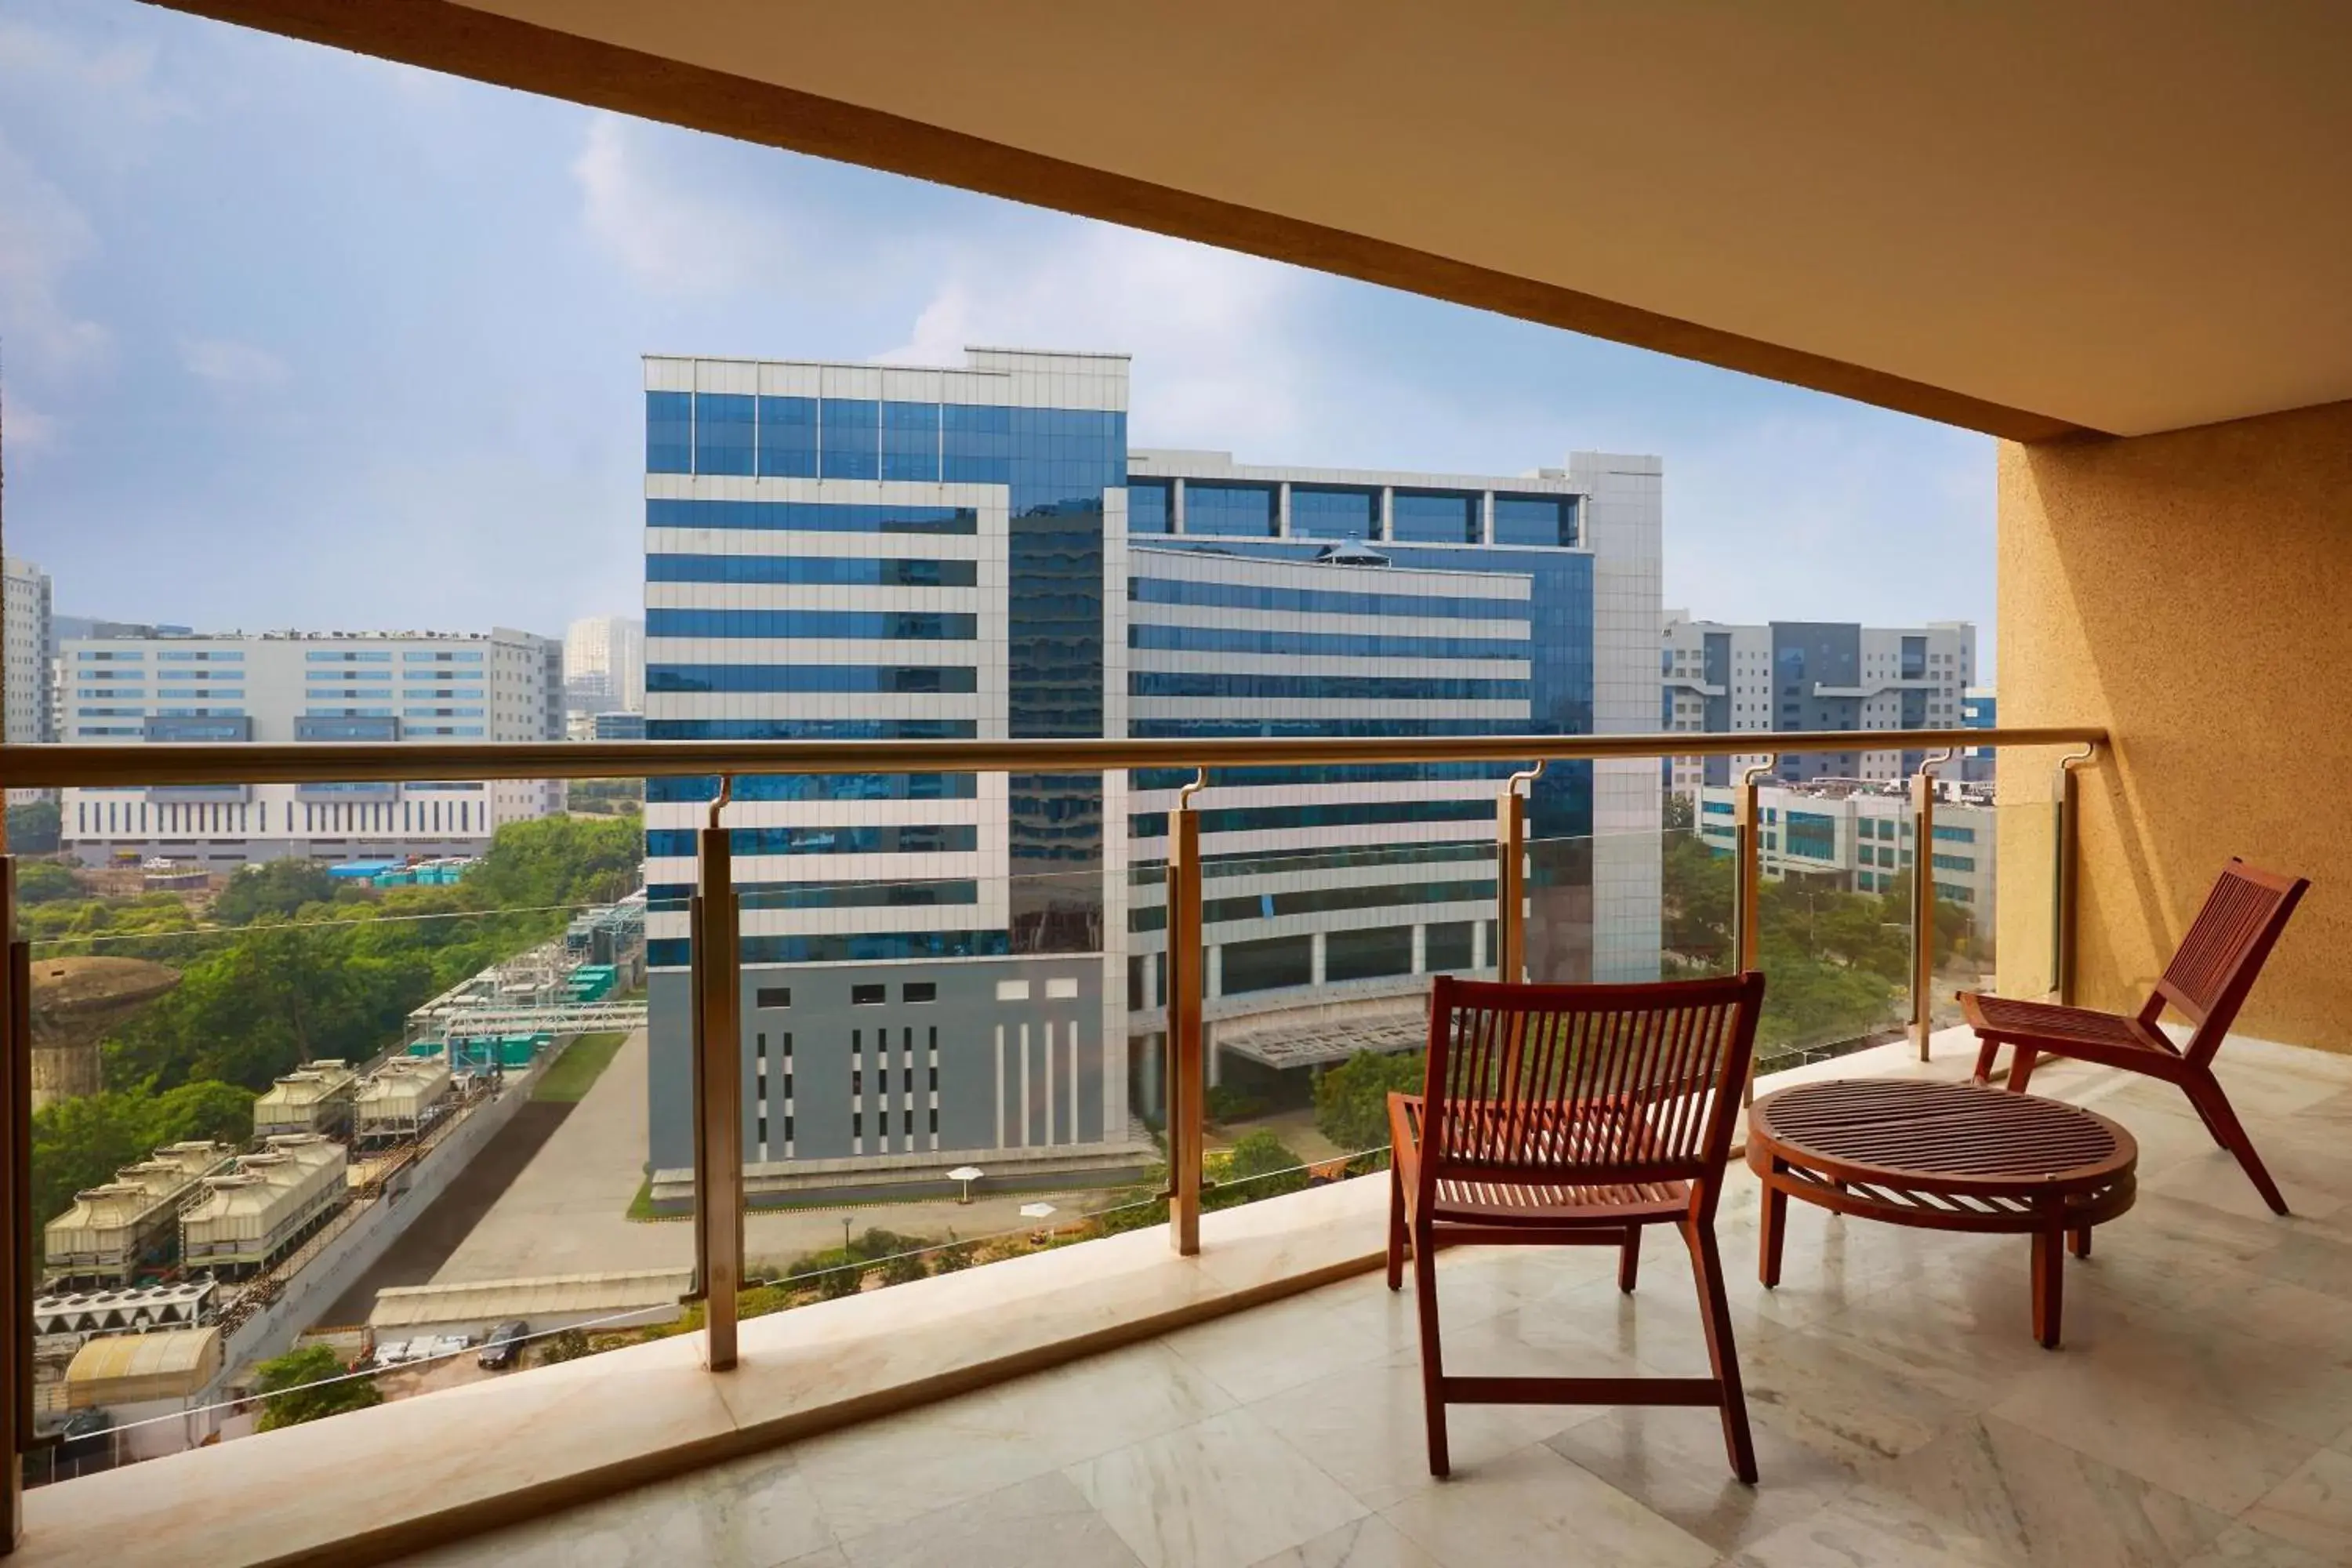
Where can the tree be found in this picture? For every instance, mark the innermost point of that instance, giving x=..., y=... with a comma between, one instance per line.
x=80, y=1142
x=1676, y=815
x=1260, y=1154
x=564, y=1344
x=902, y=1268
x=1351, y=1101
x=296, y=1387
x=35, y=827
x=278, y=890
x=44, y=881
x=835, y=1283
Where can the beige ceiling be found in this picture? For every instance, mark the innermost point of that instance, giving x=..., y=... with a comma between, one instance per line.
x=2123, y=217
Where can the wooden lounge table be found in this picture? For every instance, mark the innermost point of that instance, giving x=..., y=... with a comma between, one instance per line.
x=1944, y=1156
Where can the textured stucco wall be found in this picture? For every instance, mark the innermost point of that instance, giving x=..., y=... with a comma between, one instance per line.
x=2193, y=593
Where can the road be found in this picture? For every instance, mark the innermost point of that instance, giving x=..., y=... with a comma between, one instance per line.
x=566, y=1212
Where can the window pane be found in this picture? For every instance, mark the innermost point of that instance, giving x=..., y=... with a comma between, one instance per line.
x=722, y=433
x=788, y=438
x=910, y=441
x=1434, y=517
x=1334, y=513
x=1148, y=510
x=1243, y=510
x=849, y=437
x=669, y=432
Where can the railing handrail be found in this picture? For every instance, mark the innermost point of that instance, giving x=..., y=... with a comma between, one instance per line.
x=176, y=762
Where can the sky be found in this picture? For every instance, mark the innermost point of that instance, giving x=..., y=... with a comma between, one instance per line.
x=290, y=337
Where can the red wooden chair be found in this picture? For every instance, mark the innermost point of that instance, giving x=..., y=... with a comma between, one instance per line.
x=2207, y=980
x=1574, y=1115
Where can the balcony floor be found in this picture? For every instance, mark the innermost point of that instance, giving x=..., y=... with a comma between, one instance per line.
x=2200, y=1412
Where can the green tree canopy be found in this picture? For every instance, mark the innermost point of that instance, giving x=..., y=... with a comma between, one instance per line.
x=1351, y=1101
x=44, y=881
x=80, y=1143
x=35, y=827
x=276, y=890
x=298, y=1388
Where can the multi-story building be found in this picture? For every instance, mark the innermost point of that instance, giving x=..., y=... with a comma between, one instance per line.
x=1808, y=674
x=604, y=665
x=28, y=652
x=944, y=969
x=292, y=686
x=1859, y=832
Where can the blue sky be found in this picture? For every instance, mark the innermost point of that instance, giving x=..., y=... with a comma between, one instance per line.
x=294, y=338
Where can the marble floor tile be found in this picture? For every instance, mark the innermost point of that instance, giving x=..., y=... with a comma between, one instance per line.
x=1222, y=1493
x=2314, y=1259
x=889, y=1471
x=1040, y=1523
x=1365, y=1428
x=827, y=1557
x=1251, y=1354
x=1367, y=1542
x=2277, y=1312
x=1872, y=1529
x=2215, y=1179
x=1674, y=1463
x=2206, y=1453
x=1535, y=1507
x=2312, y=1508
x=2046, y=1504
x=1819, y=1393
x=1107, y=1401
x=2243, y=1546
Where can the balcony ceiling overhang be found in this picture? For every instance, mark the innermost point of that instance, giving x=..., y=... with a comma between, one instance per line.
x=2033, y=220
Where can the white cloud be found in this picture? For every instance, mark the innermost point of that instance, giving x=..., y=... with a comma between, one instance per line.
x=672, y=236
x=1209, y=329
x=28, y=430
x=236, y=367
x=42, y=236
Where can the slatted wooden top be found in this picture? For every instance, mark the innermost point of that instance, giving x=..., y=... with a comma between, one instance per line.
x=1950, y=1137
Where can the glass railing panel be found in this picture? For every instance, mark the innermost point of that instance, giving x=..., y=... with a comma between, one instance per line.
x=323, y=1111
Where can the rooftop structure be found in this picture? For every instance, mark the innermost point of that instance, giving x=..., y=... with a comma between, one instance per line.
x=313, y=1098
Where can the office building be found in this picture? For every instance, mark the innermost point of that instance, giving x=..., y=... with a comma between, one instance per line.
x=969, y=967
x=140, y=688
x=28, y=652
x=1811, y=676
x=604, y=665
x=1859, y=833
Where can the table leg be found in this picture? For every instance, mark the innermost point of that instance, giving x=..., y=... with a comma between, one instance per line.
x=2082, y=1241
x=1775, y=1226
x=2049, y=1283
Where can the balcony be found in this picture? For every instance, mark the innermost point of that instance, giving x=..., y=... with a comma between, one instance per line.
x=1904, y=1413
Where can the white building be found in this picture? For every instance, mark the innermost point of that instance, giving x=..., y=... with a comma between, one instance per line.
x=296, y=686
x=1812, y=676
x=604, y=665
x=26, y=617
x=1859, y=832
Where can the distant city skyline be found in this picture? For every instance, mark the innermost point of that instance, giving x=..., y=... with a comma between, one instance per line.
x=252, y=418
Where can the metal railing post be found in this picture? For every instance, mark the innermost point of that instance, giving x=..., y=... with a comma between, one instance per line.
x=1748, y=886
x=16, y=1212
x=1923, y=899
x=1511, y=877
x=716, y=982
x=1187, y=972
x=2064, y=888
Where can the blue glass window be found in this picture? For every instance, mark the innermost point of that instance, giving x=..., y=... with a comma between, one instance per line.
x=913, y=838
x=1324, y=688
x=108, y=655
x=1319, y=513
x=1434, y=517
x=722, y=433
x=812, y=728
x=669, y=432
x=1362, y=645
x=811, y=677
x=348, y=658
x=812, y=516
x=976, y=442
x=1326, y=600
x=1241, y=511
x=1535, y=520
x=675, y=952
x=691, y=789
x=1812, y=836
x=912, y=624
x=910, y=441
x=1261, y=818
x=316, y=691
x=788, y=438
x=843, y=571
x=1150, y=507
x=850, y=438
x=1956, y=834
x=346, y=728
x=206, y=658
x=199, y=691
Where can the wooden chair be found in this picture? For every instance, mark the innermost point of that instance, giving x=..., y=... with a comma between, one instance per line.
x=1574, y=1115
x=2207, y=980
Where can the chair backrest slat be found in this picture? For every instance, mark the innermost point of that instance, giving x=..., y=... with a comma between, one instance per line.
x=2227, y=944
x=1579, y=1084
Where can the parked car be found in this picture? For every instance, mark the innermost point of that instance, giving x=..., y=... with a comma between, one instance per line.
x=503, y=1344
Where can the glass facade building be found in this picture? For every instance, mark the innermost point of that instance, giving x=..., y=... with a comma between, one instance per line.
x=968, y=968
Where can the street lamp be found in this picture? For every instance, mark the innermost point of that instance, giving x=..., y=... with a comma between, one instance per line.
x=967, y=1174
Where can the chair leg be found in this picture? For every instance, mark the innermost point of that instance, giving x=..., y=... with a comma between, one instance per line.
x=1714, y=1311
x=2205, y=1093
x=1986, y=1051
x=2020, y=1068
x=1396, y=1227
x=2049, y=1283
x=1433, y=1364
x=1629, y=1260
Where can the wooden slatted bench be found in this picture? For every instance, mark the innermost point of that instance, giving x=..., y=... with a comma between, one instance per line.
x=1944, y=1156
